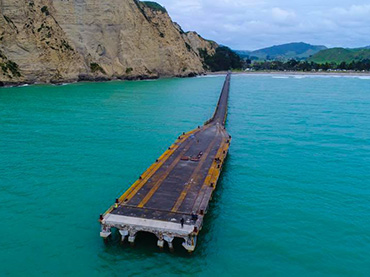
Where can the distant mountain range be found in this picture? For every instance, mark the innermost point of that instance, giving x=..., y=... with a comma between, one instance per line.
x=305, y=51
x=295, y=50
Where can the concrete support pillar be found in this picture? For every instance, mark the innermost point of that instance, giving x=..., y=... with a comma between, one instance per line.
x=105, y=231
x=169, y=240
x=124, y=234
x=160, y=243
x=189, y=243
x=132, y=237
x=170, y=245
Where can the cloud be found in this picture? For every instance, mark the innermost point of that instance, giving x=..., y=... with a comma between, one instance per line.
x=281, y=15
x=353, y=11
x=252, y=24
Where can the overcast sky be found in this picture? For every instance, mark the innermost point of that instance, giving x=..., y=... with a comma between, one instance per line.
x=253, y=24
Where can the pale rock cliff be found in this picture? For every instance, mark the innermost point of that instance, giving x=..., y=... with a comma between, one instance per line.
x=199, y=43
x=31, y=37
x=68, y=40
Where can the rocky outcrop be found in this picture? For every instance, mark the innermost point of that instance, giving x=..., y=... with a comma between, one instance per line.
x=199, y=43
x=68, y=40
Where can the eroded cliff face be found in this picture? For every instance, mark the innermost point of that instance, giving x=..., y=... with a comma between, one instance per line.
x=199, y=43
x=67, y=40
x=31, y=37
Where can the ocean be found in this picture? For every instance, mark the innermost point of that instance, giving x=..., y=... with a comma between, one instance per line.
x=293, y=198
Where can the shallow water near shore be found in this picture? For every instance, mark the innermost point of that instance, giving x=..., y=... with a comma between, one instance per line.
x=293, y=198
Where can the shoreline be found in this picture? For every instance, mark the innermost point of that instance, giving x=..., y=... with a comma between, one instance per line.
x=293, y=73
x=94, y=79
x=85, y=79
x=141, y=78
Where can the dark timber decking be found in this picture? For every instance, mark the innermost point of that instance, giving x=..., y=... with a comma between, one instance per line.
x=177, y=187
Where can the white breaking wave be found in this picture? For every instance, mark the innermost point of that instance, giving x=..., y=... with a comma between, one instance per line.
x=280, y=77
x=211, y=76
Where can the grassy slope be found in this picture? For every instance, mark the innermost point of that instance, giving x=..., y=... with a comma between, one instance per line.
x=338, y=55
x=296, y=50
x=243, y=53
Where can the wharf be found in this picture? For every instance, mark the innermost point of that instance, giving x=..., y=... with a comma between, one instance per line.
x=171, y=198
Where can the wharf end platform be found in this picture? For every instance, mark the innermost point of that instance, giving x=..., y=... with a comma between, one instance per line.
x=171, y=198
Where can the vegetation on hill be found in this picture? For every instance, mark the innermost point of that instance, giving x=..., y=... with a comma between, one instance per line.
x=154, y=6
x=244, y=54
x=284, y=52
x=339, y=55
x=305, y=66
x=224, y=59
x=299, y=57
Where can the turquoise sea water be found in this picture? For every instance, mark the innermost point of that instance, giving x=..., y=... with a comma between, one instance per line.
x=293, y=199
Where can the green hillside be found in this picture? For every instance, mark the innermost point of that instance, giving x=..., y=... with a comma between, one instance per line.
x=339, y=55
x=295, y=50
x=224, y=59
x=243, y=53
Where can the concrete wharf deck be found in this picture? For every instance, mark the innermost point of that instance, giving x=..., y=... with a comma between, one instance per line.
x=171, y=198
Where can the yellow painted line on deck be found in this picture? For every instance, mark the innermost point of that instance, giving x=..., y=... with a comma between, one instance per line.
x=210, y=177
x=213, y=173
x=193, y=176
x=150, y=172
x=167, y=172
x=164, y=176
x=152, y=169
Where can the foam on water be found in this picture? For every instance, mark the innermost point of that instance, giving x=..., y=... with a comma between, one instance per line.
x=280, y=77
x=211, y=76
